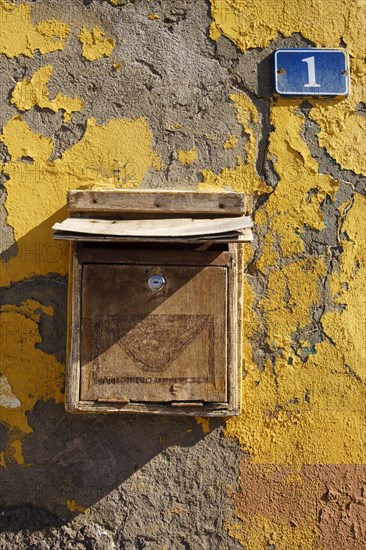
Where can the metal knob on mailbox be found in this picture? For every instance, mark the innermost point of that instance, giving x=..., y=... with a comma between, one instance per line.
x=156, y=282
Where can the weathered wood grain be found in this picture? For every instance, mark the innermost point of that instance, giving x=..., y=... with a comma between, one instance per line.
x=72, y=382
x=174, y=352
x=154, y=256
x=162, y=202
x=174, y=227
x=243, y=235
x=147, y=346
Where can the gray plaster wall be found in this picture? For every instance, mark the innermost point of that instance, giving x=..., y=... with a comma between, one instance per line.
x=146, y=483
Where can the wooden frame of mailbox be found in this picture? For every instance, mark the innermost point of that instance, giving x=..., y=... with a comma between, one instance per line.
x=181, y=251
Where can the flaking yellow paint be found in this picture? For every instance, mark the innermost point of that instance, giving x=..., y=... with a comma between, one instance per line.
x=187, y=156
x=114, y=155
x=95, y=44
x=347, y=286
x=19, y=36
x=297, y=412
x=301, y=189
x=17, y=452
x=31, y=373
x=262, y=532
x=242, y=178
x=231, y=142
x=323, y=22
x=204, y=423
x=73, y=506
x=28, y=93
x=292, y=292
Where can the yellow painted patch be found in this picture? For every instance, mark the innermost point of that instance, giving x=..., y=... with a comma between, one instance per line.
x=324, y=22
x=285, y=304
x=29, y=93
x=17, y=451
x=95, y=45
x=153, y=16
x=294, y=412
x=342, y=127
x=244, y=177
x=261, y=532
x=349, y=288
x=117, y=154
x=156, y=162
x=204, y=423
x=231, y=142
x=31, y=373
x=188, y=156
x=19, y=36
x=290, y=417
x=73, y=506
x=301, y=190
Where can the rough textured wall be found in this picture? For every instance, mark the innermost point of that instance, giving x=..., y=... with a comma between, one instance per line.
x=177, y=94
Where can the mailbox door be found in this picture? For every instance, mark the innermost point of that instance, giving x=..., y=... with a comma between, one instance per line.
x=146, y=345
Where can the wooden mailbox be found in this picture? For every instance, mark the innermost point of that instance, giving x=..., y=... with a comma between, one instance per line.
x=156, y=297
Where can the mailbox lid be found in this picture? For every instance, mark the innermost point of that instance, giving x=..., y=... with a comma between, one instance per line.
x=143, y=345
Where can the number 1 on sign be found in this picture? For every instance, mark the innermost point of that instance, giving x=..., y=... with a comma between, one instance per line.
x=310, y=61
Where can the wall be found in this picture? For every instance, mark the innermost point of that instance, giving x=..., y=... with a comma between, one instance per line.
x=177, y=94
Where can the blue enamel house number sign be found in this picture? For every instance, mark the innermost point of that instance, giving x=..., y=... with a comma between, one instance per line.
x=311, y=72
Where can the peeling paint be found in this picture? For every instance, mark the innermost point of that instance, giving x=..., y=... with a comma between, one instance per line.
x=29, y=93
x=30, y=373
x=7, y=397
x=75, y=507
x=279, y=425
x=244, y=177
x=114, y=155
x=345, y=327
x=231, y=142
x=301, y=437
x=18, y=35
x=188, y=156
x=95, y=45
x=316, y=20
x=306, y=405
x=204, y=423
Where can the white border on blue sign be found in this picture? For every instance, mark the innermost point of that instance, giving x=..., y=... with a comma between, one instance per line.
x=310, y=94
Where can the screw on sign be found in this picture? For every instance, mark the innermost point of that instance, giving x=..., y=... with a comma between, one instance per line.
x=311, y=72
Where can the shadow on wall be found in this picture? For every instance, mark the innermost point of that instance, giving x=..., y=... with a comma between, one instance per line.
x=81, y=459
x=70, y=462
x=36, y=253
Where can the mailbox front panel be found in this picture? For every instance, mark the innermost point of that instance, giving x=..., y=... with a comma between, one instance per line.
x=145, y=344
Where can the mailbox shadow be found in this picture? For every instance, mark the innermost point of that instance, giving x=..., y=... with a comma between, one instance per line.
x=71, y=461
